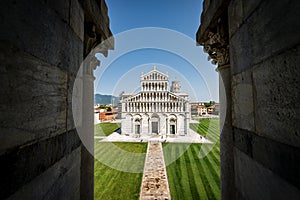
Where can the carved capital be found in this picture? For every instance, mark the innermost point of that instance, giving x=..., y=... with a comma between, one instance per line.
x=217, y=48
x=90, y=64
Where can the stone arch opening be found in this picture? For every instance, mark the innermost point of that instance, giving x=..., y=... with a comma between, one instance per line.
x=173, y=125
x=155, y=122
x=137, y=122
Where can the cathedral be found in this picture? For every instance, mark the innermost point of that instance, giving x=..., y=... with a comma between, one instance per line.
x=155, y=110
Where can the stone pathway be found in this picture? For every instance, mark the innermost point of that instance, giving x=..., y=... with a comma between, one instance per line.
x=155, y=182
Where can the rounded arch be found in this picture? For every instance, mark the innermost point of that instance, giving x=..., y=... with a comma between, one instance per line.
x=137, y=116
x=172, y=124
x=165, y=115
x=136, y=124
x=154, y=115
x=181, y=115
x=128, y=116
x=172, y=116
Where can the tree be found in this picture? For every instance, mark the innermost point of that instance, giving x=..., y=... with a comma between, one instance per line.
x=102, y=106
x=207, y=104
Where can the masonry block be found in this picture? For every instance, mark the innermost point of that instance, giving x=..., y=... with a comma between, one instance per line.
x=62, y=8
x=38, y=30
x=242, y=101
x=34, y=94
x=254, y=42
x=34, y=159
x=77, y=19
x=253, y=181
x=276, y=83
x=60, y=181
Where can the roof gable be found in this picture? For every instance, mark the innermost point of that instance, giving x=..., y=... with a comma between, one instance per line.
x=154, y=75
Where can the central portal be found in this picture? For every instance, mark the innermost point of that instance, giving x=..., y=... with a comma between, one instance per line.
x=172, y=129
x=155, y=127
x=137, y=129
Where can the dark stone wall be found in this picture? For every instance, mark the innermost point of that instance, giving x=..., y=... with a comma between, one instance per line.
x=264, y=38
x=41, y=49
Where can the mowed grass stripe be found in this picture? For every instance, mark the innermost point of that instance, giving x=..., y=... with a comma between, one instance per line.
x=173, y=187
x=175, y=176
x=213, y=171
x=210, y=132
x=100, y=149
x=203, y=173
x=172, y=174
x=107, y=174
x=113, y=183
x=201, y=130
x=217, y=150
x=194, y=127
x=117, y=154
x=109, y=155
x=215, y=156
x=212, y=167
x=179, y=183
x=184, y=174
x=211, y=135
x=191, y=176
x=215, y=164
x=129, y=159
x=201, y=193
x=110, y=176
x=209, y=191
x=195, y=185
x=109, y=183
x=206, y=123
x=105, y=128
x=215, y=189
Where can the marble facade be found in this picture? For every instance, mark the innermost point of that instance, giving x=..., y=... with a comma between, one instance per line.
x=155, y=109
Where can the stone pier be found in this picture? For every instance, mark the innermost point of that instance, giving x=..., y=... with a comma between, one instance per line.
x=155, y=182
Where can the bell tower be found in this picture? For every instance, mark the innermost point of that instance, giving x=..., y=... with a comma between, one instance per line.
x=175, y=87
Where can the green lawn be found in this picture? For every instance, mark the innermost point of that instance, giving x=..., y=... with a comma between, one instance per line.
x=193, y=176
x=105, y=128
x=115, y=184
x=207, y=126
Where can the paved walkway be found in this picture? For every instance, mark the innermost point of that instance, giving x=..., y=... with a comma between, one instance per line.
x=192, y=137
x=155, y=182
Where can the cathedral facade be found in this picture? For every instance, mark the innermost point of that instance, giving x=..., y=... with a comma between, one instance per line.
x=155, y=110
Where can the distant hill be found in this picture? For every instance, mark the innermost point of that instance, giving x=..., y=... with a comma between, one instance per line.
x=105, y=99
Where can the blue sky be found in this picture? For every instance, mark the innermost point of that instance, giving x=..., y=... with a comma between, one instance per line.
x=161, y=33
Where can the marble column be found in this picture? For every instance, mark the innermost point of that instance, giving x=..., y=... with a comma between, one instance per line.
x=87, y=158
x=226, y=137
x=217, y=48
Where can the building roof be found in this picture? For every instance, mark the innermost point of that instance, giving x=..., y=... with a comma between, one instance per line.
x=153, y=72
